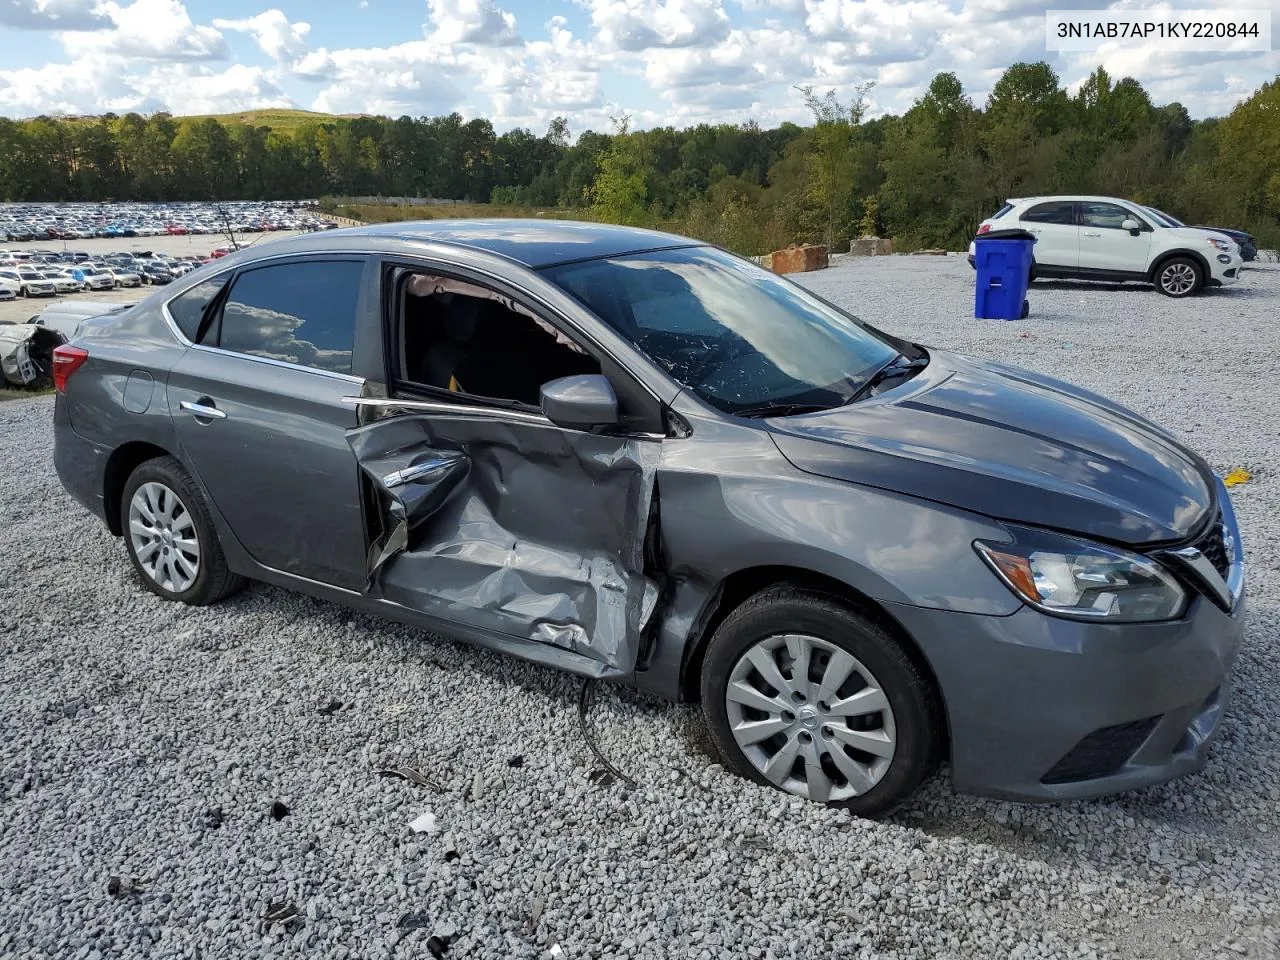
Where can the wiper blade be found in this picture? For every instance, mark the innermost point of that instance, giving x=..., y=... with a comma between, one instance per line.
x=898, y=366
x=781, y=409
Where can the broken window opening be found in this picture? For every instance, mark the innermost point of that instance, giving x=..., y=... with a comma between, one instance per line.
x=470, y=340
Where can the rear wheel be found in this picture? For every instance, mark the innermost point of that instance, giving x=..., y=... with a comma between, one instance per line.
x=803, y=693
x=170, y=536
x=1179, y=277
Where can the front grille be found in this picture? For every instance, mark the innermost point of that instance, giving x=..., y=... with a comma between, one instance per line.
x=1101, y=753
x=1214, y=547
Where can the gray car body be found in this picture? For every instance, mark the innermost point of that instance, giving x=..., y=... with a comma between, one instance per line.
x=847, y=503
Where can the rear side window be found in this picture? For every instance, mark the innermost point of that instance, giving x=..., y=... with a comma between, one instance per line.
x=188, y=308
x=302, y=312
x=1054, y=211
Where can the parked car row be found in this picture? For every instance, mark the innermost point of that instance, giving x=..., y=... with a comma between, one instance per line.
x=43, y=273
x=75, y=221
x=1107, y=238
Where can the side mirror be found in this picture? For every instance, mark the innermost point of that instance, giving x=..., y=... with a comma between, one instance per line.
x=580, y=402
x=1133, y=226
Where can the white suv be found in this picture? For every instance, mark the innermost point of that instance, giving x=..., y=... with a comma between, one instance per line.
x=1103, y=238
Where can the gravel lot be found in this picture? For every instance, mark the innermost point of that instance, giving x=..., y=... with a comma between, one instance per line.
x=148, y=741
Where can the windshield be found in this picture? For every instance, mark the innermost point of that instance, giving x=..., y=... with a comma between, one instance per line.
x=1163, y=219
x=735, y=334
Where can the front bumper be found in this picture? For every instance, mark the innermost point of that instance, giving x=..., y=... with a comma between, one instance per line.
x=1044, y=708
x=1220, y=273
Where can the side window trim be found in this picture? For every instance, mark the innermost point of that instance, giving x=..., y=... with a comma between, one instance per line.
x=213, y=315
x=229, y=275
x=394, y=272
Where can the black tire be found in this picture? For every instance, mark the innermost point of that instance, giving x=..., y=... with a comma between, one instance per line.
x=214, y=580
x=782, y=609
x=1172, y=275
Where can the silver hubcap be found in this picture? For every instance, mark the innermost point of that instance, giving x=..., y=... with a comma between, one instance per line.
x=1178, y=278
x=811, y=718
x=164, y=537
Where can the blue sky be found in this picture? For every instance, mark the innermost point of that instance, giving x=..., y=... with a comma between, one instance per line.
x=522, y=62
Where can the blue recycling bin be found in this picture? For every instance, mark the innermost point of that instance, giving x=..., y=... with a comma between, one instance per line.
x=1002, y=259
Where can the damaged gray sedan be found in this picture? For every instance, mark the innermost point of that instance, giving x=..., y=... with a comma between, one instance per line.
x=636, y=457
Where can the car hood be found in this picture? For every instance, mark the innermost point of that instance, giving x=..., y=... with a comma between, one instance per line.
x=1014, y=446
x=1196, y=235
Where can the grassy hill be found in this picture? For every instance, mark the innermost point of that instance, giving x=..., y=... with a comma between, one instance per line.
x=277, y=118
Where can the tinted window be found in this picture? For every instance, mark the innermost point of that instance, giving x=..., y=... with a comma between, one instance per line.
x=187, y=308
x=1002, y=211
x=1106, y=215
x=738, y=336
x=1055, y=211
x=303, y=312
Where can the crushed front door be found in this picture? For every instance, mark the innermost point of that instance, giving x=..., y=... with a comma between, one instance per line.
x=501, y=521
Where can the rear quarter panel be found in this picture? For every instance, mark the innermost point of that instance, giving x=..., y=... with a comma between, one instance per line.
x=136, y=342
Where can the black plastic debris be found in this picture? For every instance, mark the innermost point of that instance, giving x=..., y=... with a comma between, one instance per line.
x=123, y=886
x=213, y=818
x=330, y=708
x=414, y=921
x=280, y=913
x=610, y=774
x=413, y=775
x=516, y=761
x=451, y=855
x=437, y=946
x=279, y=811
x=601, y=778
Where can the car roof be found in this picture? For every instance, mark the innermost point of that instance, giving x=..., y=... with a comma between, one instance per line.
x=1073, y=197
x=534, y=243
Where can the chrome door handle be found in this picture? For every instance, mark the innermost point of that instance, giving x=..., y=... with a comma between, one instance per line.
x=418, y=471
x=1091, y=234
x=201, y=410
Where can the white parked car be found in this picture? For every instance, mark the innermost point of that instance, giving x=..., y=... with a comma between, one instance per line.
x=31, y=282
x=125, y=278
x=9, y=288
x=64, y=281
x=1105, y=238
x=97, y=278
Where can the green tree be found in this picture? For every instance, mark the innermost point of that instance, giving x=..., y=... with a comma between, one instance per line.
x=834, y=181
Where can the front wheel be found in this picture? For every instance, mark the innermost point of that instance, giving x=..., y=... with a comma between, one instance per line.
x=170, y=536
x=1179, y=277
x=801, y=692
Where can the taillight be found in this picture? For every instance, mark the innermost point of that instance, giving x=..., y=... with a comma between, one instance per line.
x=66, y=361
x=983, y=228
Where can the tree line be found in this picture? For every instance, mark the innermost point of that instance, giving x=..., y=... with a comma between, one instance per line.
x=925, y=178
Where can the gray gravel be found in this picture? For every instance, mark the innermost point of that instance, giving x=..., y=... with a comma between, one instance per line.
x=148, y=741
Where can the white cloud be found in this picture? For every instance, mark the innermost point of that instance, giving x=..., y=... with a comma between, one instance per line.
x=100, y=85
x=279, y=39
x=149, y=30
x=53, y=15
x=418, y=77
x=661, y=61
x=634, y=25
x=479, y=22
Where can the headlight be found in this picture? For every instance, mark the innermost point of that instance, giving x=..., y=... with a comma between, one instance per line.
x=1087, y=581
x=1223, y=245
